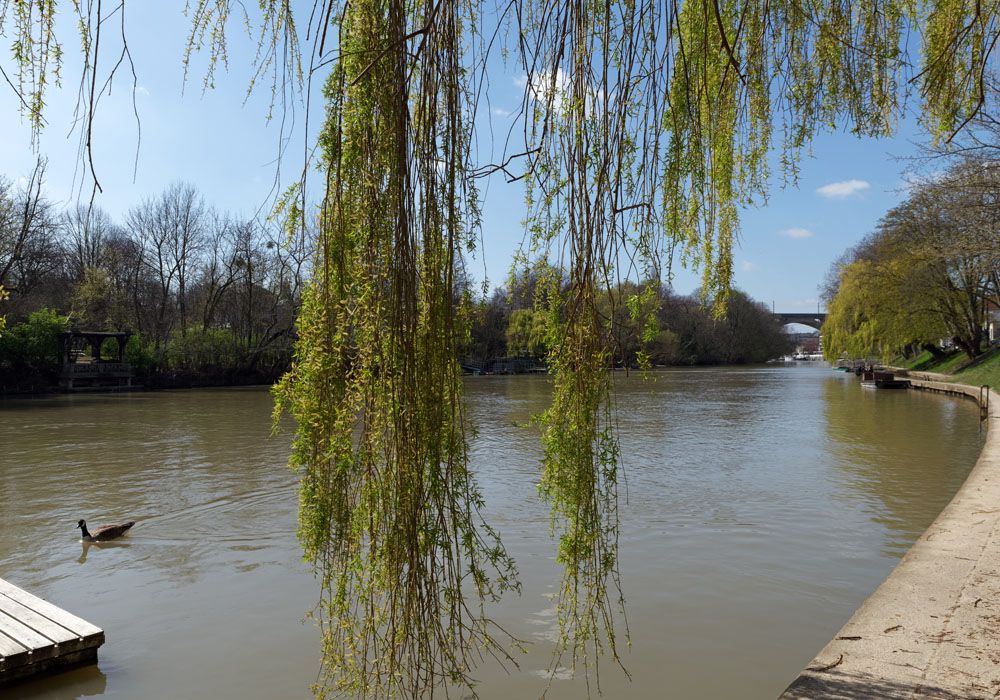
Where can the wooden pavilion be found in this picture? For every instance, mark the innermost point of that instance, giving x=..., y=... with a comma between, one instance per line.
x=85, y=368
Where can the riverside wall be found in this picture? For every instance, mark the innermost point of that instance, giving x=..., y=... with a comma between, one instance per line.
x=932, y=628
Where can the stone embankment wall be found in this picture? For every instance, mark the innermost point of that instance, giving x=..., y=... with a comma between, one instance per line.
x=932, y=628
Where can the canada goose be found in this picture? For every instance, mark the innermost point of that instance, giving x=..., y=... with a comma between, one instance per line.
x=104, y=532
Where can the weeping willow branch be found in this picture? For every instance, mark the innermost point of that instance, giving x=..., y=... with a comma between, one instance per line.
x=389, y=510
x=678, y=103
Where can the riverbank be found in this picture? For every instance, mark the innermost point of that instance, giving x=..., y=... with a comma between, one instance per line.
x=956, y=367
x=932, y=628
x=159, y=382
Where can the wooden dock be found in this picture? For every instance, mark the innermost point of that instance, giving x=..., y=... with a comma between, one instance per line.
x=36, y=637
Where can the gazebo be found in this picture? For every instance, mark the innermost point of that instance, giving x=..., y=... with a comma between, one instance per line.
x=86, y=369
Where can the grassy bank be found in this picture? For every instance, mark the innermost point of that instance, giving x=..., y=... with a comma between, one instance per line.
x=983, y=370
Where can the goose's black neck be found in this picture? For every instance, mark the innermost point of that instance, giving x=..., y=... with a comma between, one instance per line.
x=83, y=527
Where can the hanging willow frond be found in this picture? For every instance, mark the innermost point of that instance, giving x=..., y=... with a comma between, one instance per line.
x=389, y=509
x=648, y=124
x=36, y=52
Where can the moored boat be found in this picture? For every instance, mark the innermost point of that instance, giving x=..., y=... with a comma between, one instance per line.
x=882, y=380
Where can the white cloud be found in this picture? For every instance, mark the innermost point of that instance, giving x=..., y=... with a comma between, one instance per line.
x=839, y=190
x=747, y=266
x=141, y=90
x=546, y=86
x=501, y=112
x=796, y=232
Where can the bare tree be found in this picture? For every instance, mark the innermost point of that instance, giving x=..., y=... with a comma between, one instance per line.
x=86, y=230
x=28, y=249
x=171, y=231
x=184, y=216
x=218, y=270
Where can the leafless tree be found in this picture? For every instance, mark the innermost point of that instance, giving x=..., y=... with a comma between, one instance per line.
x=86, y=231
x=28, y=249
x=171, y=230
x=217, y=270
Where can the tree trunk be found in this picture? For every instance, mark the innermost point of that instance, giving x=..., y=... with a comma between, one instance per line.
x=968, y=345
x=936, y=352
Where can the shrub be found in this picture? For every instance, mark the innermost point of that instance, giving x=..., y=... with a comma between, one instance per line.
x=139, y=354
x=32, y=347
x=212, y=350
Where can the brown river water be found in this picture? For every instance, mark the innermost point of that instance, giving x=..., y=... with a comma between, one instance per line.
x=760, y=507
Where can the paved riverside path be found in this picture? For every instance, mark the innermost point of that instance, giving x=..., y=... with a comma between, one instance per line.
x=932, y=628
x=37, y=637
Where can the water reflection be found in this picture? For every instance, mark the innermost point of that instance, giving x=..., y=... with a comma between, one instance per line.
x=760, y=507
x=894, y=451
x=86, y=546
x=84, y=682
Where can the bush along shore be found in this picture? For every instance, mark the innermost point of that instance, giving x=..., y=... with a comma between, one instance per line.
x=678, y=331
x=31, y=357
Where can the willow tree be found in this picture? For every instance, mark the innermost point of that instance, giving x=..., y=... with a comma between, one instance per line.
x=881, y=308
x=927, y=272
x=647, y=124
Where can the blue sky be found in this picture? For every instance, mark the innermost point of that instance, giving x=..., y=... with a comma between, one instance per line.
x=222, y=143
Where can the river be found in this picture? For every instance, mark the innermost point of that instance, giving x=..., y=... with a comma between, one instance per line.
x=760, y=506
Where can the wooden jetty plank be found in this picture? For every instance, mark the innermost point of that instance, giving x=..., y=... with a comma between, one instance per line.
x=54, y=613
x=37, y=637
x=25, y=636
x=15, y=674
x=10, y=648
x=39, y=623
x=12, y=655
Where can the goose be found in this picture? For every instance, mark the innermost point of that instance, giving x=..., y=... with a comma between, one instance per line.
x=104, y=532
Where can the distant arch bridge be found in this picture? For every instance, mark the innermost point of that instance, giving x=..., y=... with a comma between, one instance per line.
x=813, y=320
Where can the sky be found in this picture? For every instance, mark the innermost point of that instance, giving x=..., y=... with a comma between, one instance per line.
x=221, y=141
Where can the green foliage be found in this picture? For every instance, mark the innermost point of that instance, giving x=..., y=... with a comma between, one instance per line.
x=852, y=323
x=526, y=333
x=32, y=347
x=109, y=348
x=211, y=350
x=879, y=310
x=650, y=326
x=924, y=274
x=140, y=355
x=634, y=313
x=36, y=53
x=580, y=479
x=389, y=511
x=92, y=299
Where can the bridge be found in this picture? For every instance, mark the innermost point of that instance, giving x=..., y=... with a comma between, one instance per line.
x=813, y=320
